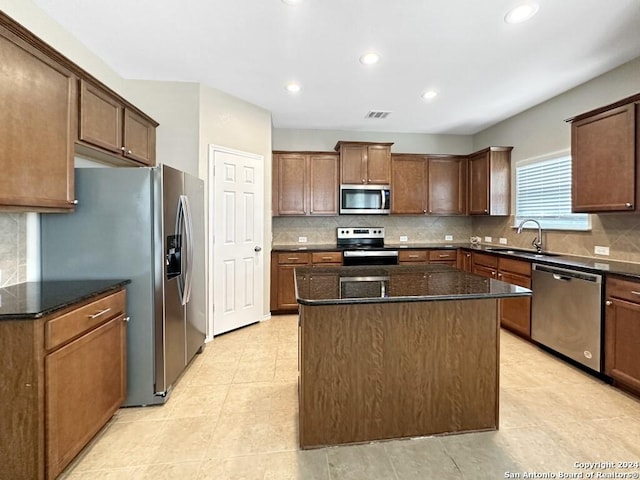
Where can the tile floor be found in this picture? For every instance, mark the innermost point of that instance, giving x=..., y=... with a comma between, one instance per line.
x=233, y=415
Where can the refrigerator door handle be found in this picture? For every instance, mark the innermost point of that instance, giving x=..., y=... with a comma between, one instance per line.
x=180, y=234
x=188, y=220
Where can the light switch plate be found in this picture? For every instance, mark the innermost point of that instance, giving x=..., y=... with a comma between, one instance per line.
x=503, y=241
x=488, y=239
x=302, y=239
x=404, y=238
x=601, y=250
x=448, y=238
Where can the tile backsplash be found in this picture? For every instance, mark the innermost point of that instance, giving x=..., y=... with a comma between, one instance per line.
x=417, y=229
x=13, y=248
x=619, y=232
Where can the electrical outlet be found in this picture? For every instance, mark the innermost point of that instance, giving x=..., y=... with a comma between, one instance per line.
x=488, y=239
x=503, y=241
x=302, y=239
x=601, y=250
x=448, y=238
x=404, y=238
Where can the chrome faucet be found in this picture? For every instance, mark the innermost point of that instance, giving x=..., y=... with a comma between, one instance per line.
x=537, y=242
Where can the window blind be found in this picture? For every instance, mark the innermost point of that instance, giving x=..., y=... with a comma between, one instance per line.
x=543, y=192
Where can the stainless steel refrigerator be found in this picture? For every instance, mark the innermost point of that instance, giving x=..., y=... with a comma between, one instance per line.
x=147, y=225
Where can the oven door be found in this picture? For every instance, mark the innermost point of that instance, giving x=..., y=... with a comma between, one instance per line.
x=364, y=287
x=369, y=257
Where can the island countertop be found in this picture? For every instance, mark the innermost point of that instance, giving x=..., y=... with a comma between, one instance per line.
x=396, y=283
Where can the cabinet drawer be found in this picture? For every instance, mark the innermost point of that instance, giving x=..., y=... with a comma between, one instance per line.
x=61, y=329
x=326, y=257
x=515, y=266
x=484, y=259
x=412, y=256
x=442, y=255
x=623, y=289
x=297, y=258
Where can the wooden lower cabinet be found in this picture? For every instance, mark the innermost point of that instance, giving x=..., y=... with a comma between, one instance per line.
x=515, y=313
x=622, y=332
x=66, y=377
x=421, y=256
x=283, y=264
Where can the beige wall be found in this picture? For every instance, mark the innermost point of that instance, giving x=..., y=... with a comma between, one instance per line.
x=325, y=140
x=542, y=130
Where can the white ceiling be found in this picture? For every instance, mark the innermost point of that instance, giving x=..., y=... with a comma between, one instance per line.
x=484, y=70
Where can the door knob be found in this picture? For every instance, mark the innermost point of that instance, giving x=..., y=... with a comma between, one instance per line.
x=257, y=249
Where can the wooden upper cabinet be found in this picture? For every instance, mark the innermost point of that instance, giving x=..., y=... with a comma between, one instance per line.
x=110, y=125
x=447, y=185
x=489, y=181
x=38, y=118
x=323, y=184
x=100, y=118
x=409, y=184
x=365, y=163
x=605, y=150
x=305, y=183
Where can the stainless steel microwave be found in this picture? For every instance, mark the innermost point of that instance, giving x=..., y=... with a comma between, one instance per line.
x=365, y=199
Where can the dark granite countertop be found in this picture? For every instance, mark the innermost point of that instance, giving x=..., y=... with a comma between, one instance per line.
x=396, y=283
x=33, y=300
x=587, y=264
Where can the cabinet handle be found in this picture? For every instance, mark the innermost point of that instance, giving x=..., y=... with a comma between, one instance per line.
x=326, y=258
x=628, y=205
x=293, y=258
x=99, y=314
x=608, y=303
x=634, y=292
x=443, y=256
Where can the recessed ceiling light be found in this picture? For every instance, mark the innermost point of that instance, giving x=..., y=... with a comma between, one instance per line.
x=369, y=58
x=292, y=2
x=293, y=87
x=429, y=94
x=521, y=13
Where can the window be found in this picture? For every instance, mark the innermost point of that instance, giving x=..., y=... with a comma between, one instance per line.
x=543, y=192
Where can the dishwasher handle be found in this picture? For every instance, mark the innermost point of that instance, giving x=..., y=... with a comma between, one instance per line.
x=566, y=275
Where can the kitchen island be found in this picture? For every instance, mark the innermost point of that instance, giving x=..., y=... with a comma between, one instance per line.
x=397, y=351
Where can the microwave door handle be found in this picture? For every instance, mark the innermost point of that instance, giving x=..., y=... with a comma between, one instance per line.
x=382, y=202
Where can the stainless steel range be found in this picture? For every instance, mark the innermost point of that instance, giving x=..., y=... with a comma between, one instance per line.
x=365, y=246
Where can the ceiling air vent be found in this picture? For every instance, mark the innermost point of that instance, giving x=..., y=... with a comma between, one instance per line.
x=377, y=114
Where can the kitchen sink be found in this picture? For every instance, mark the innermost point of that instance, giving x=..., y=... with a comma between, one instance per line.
x=520, y=251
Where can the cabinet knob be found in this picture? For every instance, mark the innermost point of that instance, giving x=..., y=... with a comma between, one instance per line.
x=628, y=205
x=128, y=152
x=126, y=319
x=123, y=149
x=424, y=211
x=369, y=180
x=608, y=303
x=364, y=181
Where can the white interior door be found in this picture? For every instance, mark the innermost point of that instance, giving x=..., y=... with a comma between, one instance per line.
x=236, y=213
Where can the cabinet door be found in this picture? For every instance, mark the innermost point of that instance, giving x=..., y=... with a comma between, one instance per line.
x=408, y=184
x=286, y=293
x=464, y=261
x=85, y=384
x=479, y=184
x=447, y=186
x=379, y=164
x=100, y=121
x=323, y=184
x=515, y=313
x=291, y=184
x=38, y=117
x=353, y=164
x=604, y=161
x=484, y=271
x=622, y=342
x=139, y=138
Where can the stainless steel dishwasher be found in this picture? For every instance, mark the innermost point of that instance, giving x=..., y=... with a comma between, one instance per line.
x=566, y=313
